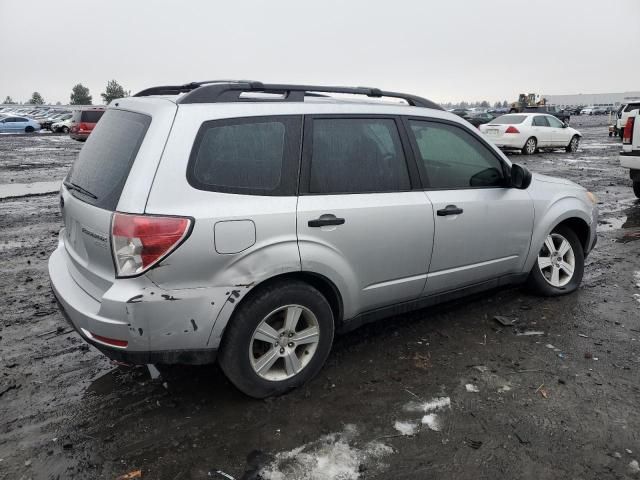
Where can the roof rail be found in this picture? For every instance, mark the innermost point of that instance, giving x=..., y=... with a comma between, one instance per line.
x=187, y=87
x=218, y=91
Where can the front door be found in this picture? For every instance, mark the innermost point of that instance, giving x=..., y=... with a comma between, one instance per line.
x=560, y=135
x=541, y=130
x=482, y=227
x=360, y=223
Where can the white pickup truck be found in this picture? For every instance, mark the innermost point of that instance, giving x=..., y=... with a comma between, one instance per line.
x=630, y=155
x=621, y=117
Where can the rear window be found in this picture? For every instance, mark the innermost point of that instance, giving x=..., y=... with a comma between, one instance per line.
x=508, y=119
x=91, y=116
x=632, y=106
x=105, y=160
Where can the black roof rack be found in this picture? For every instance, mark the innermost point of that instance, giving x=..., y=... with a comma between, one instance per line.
x=218, y=91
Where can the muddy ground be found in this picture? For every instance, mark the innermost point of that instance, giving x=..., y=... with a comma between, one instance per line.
x=564, y=404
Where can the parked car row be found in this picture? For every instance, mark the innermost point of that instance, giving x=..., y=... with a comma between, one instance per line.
x=78, y=123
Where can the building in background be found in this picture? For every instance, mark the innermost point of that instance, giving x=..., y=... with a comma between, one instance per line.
x=597, y=99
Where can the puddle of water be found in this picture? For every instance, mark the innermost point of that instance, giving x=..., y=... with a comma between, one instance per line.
x=9, y=190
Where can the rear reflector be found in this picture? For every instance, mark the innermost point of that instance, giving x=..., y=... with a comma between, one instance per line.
x=628, y=131
x=110, y=341
x=512, y=129
x=140, y=241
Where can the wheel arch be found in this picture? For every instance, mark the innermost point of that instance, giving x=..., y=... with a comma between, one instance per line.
x=325, y=286
x=566, y=212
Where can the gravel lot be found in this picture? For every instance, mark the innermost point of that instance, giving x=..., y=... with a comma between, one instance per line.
x=445, y=392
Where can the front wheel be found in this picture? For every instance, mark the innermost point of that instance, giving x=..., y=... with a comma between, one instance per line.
x=636, y=189
x=560, y=264
x=65, y=129
x=278, y=339
x=29, y=129
x=530, y=146
x=573, y=144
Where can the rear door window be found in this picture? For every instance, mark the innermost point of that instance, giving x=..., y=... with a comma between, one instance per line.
x=252, y=156
x=554, y=122
x=103, y=165
x=357, y=155
x=453, y=158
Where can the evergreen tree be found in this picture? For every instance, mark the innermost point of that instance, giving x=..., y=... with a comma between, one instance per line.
x=9, y=101
x=36, y=99
x=80, y=95
x=114, y=90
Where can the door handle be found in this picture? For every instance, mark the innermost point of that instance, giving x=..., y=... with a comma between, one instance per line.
x=325, y=220
x=449, y=210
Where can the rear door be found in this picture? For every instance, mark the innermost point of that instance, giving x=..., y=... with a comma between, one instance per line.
x=541, y=130
x=482, y=227
x=360, y=223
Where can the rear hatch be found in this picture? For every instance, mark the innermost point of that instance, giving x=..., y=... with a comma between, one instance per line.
x=93, y=189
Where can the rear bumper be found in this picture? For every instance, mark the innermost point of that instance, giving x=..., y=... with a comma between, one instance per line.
x=163, y=330
x=508, y=142
x=79, y=136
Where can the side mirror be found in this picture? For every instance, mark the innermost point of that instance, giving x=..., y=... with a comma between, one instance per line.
x=564, y=125
x=520, y=177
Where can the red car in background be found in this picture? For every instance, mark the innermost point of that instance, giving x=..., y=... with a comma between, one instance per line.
x=83, y=121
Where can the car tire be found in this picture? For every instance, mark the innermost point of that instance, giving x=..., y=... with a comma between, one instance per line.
x=278, y=313
x=65, y=129
x=636, y=189
x=558, y=270
x=530, y=146
x=29, y=129
x=574, y=143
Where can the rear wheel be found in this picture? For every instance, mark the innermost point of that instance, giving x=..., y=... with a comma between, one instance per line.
x=636, y=188
x=29, y=129
x=278, y=339
x=560, y=264
x=65, y=129
x=530, y=146
x=573, y=144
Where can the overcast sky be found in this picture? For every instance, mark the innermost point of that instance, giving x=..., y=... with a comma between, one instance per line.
x=443, y=50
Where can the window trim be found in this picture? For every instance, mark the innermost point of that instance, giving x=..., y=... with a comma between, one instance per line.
x=307, y=150
x=506, y=170
x=290, y=160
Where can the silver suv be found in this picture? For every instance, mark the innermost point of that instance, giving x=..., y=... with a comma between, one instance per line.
x=250, y=222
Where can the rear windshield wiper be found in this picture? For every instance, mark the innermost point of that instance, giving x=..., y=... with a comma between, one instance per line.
x=84, y=191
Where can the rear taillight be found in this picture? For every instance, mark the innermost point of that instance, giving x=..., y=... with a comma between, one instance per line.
x=512, y=129
x=83, y=126
x=628, y=131
x=138, y=242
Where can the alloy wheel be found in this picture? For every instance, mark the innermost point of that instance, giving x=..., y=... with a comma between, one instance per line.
x=284, y=343
x=531, y=146
x=557, y=260
x=573, y=146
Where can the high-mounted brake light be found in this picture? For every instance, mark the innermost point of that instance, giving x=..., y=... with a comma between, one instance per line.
x=512, y=129
x=628, y=131
x=138, y=242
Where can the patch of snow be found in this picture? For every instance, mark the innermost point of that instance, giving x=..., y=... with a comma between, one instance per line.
x=637, y=297
x=530, y=332
x=435, y=404
x=504, y=388
x=432, y=421
x=330, y=457
x=636, y=278
x=406, y=428
x=634, y=467
x=471, y=388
